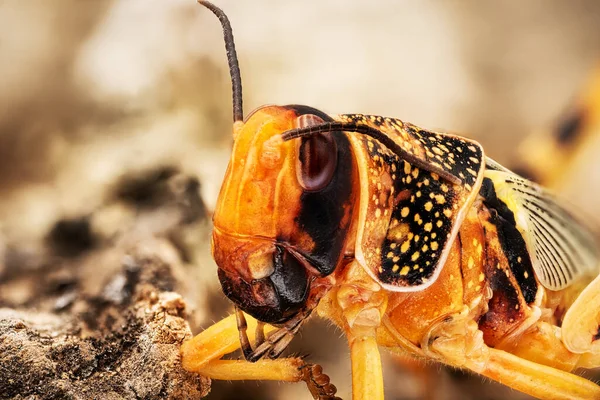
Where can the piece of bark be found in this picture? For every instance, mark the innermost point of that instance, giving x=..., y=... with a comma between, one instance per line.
x=94, y=310
x=125, y=350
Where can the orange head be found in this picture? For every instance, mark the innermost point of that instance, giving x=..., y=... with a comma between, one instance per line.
x=283, y=213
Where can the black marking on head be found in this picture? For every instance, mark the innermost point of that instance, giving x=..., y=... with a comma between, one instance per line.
x=570, y=127
x=323, y=212
x=512, y=242
x=302, y=110
x=274, y=299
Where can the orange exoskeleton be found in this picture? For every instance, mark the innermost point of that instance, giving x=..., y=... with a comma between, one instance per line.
x=407, y=239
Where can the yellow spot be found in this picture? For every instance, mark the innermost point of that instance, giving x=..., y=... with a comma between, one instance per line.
x=435, y=176
x=448, y=212
x=424, y=248
x=415, y=256
x=404, y=212
x=378, y=250
x=390, y=255
x=428, y=206
x=415, y=173
x=433, y=235
x=393, y=167
x=378, y=213
x=439, y=223
x=395, y=268
x=474, y=241
x=419, y=193
x=519, y=259
x=526, y=275
x=440, y=199
x=428, y=227
x=470, y=262
x=478, y=287
x=417, y=237
x=472, y=148
x=417, y=217
x=416, y=267
x=437, y=151
x=405, y=270
x=474, y=160
x=481, y=277
x=408, y=179
x=405, y=246
x=434, y=245
x=469, y=170
x=426, y=182
x=406, y=168
x=398, y=232
x=470, y=284
x=393, y=246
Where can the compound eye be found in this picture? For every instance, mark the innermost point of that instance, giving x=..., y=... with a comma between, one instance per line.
x=317, y=156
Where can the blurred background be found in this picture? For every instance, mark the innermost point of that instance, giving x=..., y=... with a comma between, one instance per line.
x=93, y=90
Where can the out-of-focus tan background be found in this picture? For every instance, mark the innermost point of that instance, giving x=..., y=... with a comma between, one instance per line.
x=90, y=90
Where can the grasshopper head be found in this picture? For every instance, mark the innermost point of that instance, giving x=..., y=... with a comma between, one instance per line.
x=283, y=212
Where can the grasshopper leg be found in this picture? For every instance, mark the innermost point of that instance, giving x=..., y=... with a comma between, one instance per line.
x=203, y=353
x=367, y=374
x=527, y=376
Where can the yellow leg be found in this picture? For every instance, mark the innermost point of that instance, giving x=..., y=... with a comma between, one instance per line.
x=581, y=322
x=538, y=380
x=214, y=342
x=202, y=355
x=367, y=376
x=529, y=377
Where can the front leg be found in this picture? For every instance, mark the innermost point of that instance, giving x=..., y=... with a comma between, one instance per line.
x=367, y=374
x=357, y=306
x=203, y=353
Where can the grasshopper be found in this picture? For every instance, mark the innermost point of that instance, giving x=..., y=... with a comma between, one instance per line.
x=409, y=240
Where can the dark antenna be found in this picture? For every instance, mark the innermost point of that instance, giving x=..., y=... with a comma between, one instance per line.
x=375, y=134
x=234, y=68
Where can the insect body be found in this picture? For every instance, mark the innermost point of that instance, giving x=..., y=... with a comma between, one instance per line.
x=407, y=239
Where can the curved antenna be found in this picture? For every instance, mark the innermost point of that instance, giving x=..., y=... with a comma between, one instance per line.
x=234, y=68
x=375, y=134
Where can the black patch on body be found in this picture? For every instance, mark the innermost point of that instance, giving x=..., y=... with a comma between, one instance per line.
x=324, y=210
x=504, y=308
x=512, y=242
